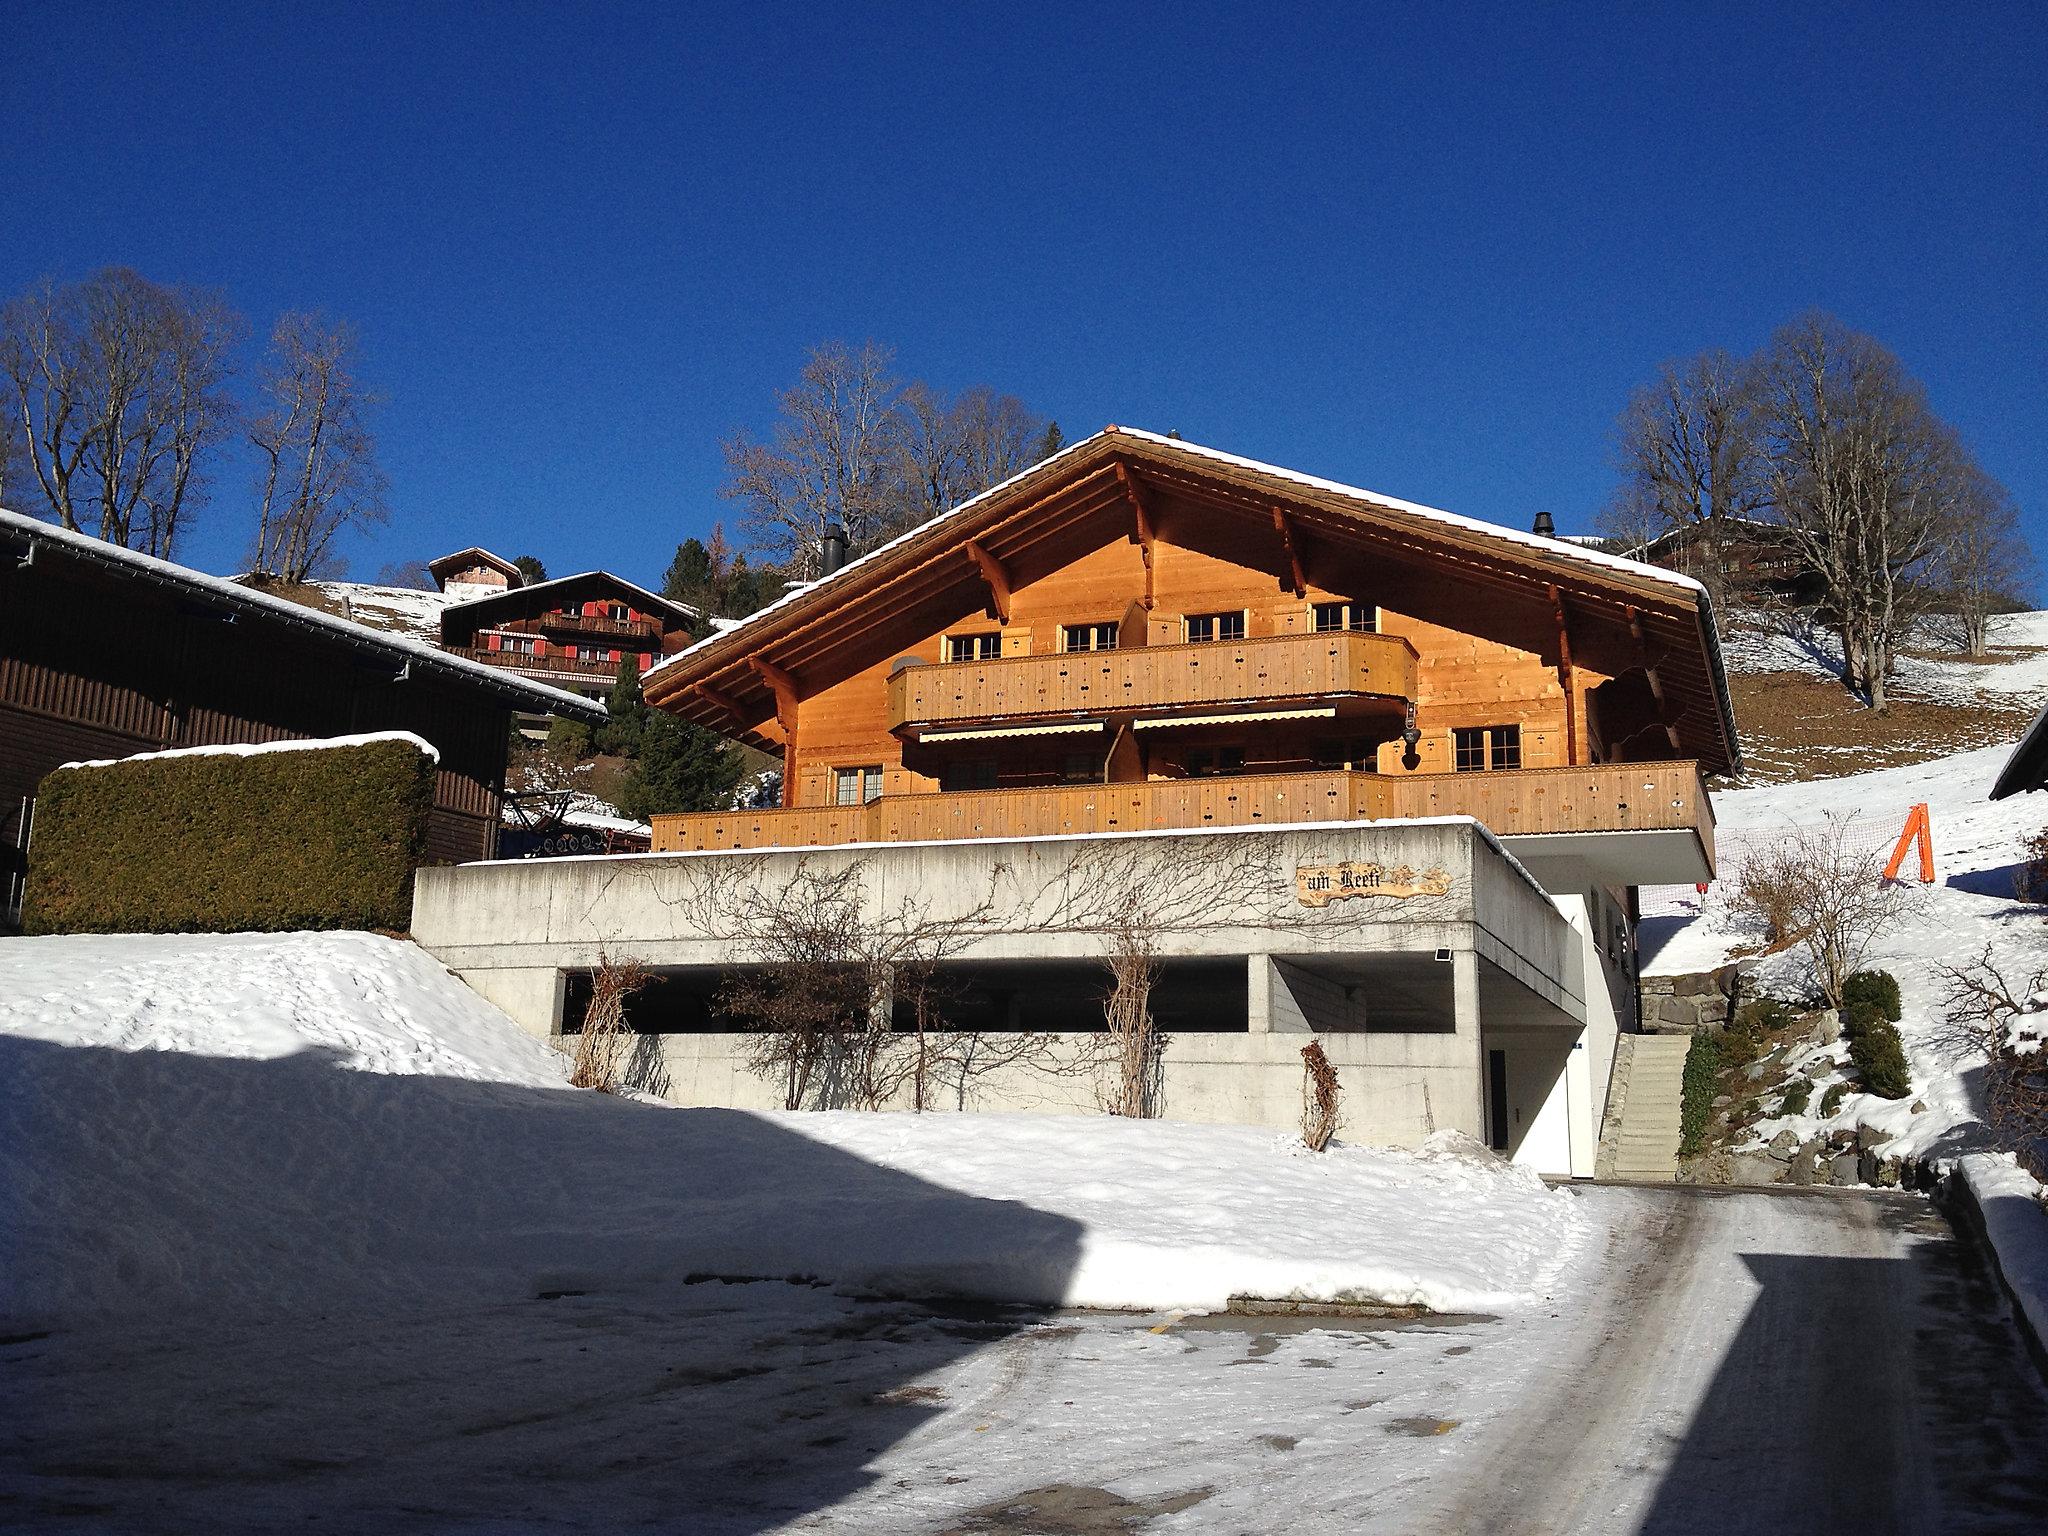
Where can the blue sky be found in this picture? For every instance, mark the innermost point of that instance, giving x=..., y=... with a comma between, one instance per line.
x=1427, y=250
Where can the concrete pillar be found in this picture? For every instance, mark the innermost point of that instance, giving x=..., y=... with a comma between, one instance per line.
x=1468, y=1114
x=531, y=998
x=1258, y=991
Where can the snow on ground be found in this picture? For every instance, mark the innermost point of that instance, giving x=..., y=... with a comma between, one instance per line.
x=400, y=610
x=2019, y=640
x=256, y=1122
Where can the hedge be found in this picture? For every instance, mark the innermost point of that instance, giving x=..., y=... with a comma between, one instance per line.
x=325, y=836
x=1868, y=991
x=1696, y=1102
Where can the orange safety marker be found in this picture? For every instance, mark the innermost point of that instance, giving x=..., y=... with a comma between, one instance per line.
x=1917, y=826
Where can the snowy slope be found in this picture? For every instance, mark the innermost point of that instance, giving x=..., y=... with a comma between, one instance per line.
x=1978, y=848
x=255, y=1122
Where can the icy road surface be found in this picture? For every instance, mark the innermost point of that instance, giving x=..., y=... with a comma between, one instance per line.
x=1710, y=1361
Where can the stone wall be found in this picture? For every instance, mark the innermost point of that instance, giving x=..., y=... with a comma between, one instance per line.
x=1679, y=1005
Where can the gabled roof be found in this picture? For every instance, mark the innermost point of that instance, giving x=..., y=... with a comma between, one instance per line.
x=477, y=609
x=474, y=555
x=2027, y=768
x=219, y=593
x=716, y=677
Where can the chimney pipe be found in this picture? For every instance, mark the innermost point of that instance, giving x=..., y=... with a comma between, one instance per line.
x=831, y=549
x=1543, y=527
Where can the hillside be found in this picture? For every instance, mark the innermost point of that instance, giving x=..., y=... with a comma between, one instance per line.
x=1797, y=721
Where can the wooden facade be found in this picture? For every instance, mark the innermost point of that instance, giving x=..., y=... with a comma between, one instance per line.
x=1212, y=640
x=104, y=655
x=571, y=632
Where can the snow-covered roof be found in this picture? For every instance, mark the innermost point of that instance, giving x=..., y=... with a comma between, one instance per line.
x=1373, y=499
x=652, y=599
x=265, y=748
x=476, y=554
x=539, y=697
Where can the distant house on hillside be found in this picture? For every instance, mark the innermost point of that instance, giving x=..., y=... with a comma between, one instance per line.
x=105, y=652
x=475, y=572
x=1753, y=561
x=570, y=632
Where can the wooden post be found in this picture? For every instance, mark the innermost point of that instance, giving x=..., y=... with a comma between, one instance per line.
x=784, y=688
x=1564, y=680
x=1295, y=579
x=1143, y=532
x=995, y=577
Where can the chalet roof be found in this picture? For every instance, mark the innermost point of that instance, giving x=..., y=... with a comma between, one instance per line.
x=476, y=607
x=476, y=555
x=220, y=593
x=714, y=665
x=2027, y=768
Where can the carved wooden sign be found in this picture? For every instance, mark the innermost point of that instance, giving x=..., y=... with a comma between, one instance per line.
x=1317, y=885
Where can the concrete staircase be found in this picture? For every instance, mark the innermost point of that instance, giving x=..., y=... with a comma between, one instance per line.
x=1639, y=1140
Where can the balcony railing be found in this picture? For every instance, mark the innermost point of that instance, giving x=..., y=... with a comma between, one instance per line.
x=584, y=624
x=527, y=662
x=1163, y=677
x=1611, y=797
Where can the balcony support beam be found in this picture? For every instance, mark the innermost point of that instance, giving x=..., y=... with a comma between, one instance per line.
x=1296, y=580
x=784, y=688
x=1143, y=531
x=1667, y=715
x=1565, y=679
x=720, y=701
x=994, y=577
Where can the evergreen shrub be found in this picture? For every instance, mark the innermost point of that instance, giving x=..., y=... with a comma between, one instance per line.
x=1868, y=991
x=314, y=837
x=1832, y=1099
x=1696, y=1099
x=1879, y=1057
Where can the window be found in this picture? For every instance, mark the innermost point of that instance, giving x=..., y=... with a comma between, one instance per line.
x=1089, y=637
x=1206, y=762
x=1215, y=626
x=976, y=773
x=1487, y=746
x=858, y=786
x=1360, y=618
x=518, y=644
x=619, y=613
x=974, y=647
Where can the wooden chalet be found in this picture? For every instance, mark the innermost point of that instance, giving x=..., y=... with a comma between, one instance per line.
x=1141, y=633
x=570, y=632
x=105, y=652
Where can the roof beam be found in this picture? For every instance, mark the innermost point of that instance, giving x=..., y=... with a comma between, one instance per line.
x=784, y=688
x=1142, y=535
x=1295, y=579
x=1564, y=678
x=1666, y=715
x=994, y=577
x=721, y=701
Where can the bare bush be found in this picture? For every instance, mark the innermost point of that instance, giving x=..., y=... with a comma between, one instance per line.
x=2030, y=880
x=2005, y=1022
x=1319, y=1096
x=1820, y=889
x=602, y=1048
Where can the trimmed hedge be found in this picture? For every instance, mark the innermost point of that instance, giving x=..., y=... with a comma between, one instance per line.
x=1696, y=1098
x=319, y=837
x=1879, y=1056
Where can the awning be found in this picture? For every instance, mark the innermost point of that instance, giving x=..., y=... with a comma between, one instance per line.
x=992, y=733
x=1327, y=712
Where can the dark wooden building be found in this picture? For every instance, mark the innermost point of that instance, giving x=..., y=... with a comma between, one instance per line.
x=105, y=652
x=571, y=632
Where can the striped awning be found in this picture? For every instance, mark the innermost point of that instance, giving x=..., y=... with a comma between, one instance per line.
x=1327, y=712
x=1000, y=732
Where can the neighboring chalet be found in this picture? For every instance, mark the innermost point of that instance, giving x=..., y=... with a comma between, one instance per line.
x=1753, y=562
x=1350, y=769
x=105, y=652
x=570, y=632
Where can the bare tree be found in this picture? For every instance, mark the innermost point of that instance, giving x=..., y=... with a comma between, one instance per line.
x=1865, y=478
x=830, y=458
x=319, y=460
x=1821, y=889
x=1985, y=564
x=116, y=397
x=1319, y=1097
x=601, y=1048
x=412, y=574
x=1689, y=459
x=2002, y=1020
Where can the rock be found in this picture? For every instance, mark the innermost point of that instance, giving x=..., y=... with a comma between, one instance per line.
x=1869, y=1137
x=1827, y=1026
x=1722, y=1101
x=1804, y=1162
x=1783, y=1146
x=1713, y=1010
x=1842, y=1169
x=1880, y=1172
x=1919, y=1107
x=1746, y=1168
x=1696, y=985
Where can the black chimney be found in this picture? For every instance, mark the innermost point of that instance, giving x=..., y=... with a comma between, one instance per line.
x=1543, y=527
x=831, y=549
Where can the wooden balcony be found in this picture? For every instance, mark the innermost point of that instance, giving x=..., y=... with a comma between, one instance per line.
x=1154, y=677
x=538, y=666
x=1613, y=797
x=584, y=624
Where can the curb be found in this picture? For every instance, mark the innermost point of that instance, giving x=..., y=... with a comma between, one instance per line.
x=1960, y=1200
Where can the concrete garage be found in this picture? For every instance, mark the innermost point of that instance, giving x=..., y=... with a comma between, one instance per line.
x=1459, y=995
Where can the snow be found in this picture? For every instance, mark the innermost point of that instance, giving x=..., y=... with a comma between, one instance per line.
x=247, y=1123
x=402, y=610
x=263, y=748
x=2016, y=1222
x=2022, y=638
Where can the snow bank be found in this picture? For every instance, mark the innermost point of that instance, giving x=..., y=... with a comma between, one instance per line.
x=259, y=1122
x=2017, y=1224
x=262, y=748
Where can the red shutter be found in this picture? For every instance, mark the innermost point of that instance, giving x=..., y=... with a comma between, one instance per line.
x=495, y=642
